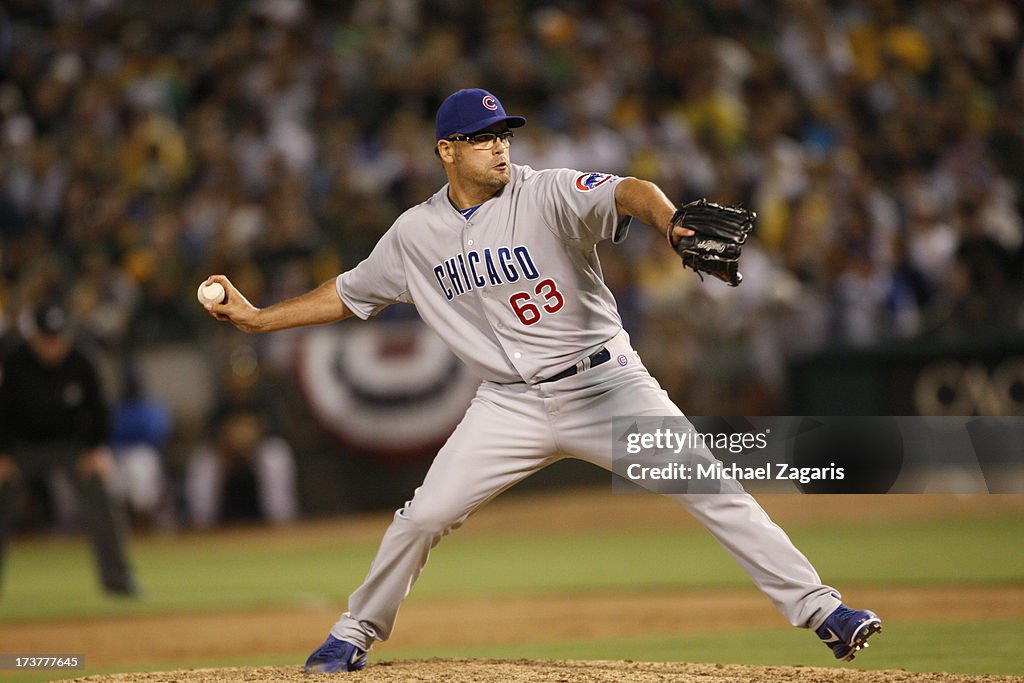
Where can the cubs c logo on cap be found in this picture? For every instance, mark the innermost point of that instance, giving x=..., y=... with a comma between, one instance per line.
x=588, y=181
x=469, y=111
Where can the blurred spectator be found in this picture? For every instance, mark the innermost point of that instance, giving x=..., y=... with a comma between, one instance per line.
x=55, y=419
x=143, y=151
x=142, y=425
x=979, y=295
x=244, y=471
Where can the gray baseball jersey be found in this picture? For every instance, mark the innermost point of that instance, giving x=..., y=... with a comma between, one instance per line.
x=516, y=289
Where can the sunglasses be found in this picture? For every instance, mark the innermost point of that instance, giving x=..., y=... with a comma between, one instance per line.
x=483, y=141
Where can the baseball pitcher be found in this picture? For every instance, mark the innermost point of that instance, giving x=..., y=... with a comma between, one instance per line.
x=502, y=263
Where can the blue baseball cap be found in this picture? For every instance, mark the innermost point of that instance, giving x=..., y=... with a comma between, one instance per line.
x=470, y=111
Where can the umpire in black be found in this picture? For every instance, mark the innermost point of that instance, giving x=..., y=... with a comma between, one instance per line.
x=53, y=415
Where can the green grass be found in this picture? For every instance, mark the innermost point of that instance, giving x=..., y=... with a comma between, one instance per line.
x=55, y=579
x=50, y=579
x=47, y=580
x=982, y=551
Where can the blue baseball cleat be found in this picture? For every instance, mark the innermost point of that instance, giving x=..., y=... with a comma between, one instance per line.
x=847, y=630
x=334, y=656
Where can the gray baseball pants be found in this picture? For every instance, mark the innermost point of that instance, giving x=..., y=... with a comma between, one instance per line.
x=513, y=431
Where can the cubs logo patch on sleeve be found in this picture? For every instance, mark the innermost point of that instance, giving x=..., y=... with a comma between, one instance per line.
x=585, y=182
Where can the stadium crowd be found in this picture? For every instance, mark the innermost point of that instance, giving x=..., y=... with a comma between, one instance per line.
x=146, y=145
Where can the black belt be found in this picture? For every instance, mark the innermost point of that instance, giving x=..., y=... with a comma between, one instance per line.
x=602, y=355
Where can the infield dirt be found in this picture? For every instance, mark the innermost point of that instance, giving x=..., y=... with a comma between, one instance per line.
x=524, y=671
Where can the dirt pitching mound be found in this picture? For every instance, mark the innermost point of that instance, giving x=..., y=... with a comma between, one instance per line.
x=527, y=671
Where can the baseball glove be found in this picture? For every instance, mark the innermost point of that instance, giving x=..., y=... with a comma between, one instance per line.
x=720, y=231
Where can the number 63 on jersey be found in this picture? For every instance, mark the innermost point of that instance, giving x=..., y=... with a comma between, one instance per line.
x=528, y=312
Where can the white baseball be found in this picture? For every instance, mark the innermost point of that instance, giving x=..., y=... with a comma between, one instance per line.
x=212, y=293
